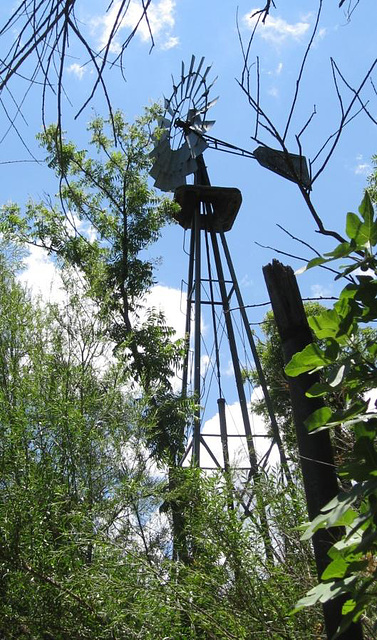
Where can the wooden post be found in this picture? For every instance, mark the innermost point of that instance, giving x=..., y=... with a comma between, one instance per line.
x=315, y=450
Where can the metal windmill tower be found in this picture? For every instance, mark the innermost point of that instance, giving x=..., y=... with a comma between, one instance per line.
x=208, y=213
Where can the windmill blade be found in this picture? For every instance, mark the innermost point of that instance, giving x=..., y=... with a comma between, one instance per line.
x=168, y=108
x=212, y=103
x=182, y=78
x=196, y=76
x=192, y=114
x=196, y=144
x=191, y=65
x=191, y=74
x=203, y=126
x=212, y=84
x=202, y=81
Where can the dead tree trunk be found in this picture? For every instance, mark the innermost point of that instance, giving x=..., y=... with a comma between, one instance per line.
x=315, y=450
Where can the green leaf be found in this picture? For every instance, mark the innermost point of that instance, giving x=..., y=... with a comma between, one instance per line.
x=312, y=263
x=353, y=225
x=341, y=251
x=336, y=569
x=325, y=325
x=363, y=233
x=318, y=418
x=338, y=512
x=335, y=381
x=348, y=606
x=312, y=357
x=325, y=591
x=366, y=209
x=318, y=389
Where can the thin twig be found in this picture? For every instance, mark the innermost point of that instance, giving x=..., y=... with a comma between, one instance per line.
x=344, y=119
x=298, y=81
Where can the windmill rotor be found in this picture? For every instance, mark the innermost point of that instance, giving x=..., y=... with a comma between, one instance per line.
x=183, y=125
x=184, y=136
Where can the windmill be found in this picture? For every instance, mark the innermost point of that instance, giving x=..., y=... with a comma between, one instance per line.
x=207, y=213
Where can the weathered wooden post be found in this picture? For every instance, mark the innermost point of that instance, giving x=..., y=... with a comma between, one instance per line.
x=315, y=450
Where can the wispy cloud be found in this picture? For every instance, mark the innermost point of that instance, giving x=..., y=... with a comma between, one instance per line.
x=170, y=43
x=273, y=91
x=362, y=168
x=276, y=29
x=320, y=291
x=161, y=21
x=77, y=70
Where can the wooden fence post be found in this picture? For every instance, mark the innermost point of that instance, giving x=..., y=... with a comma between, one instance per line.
x=315, y=450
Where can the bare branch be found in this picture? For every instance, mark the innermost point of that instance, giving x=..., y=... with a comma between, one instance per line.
x=306, y=244
x=346, y=118
x=299, y=78
x=44, y=28
x=363, y=105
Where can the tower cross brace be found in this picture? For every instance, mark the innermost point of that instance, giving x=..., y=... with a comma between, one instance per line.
x=210, y=212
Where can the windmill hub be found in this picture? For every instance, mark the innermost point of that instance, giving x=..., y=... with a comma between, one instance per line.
x=184, y=125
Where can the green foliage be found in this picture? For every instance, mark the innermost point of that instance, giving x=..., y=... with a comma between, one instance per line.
x=272, y=361
x=65, y=483
x=102, y=534
x=84, y=552
x=105, y=220
x=349, y=362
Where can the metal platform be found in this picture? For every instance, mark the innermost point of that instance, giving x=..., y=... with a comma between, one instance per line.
x=224, y=203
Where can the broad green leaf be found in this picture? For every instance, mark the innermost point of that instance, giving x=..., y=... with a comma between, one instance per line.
x=353, y=226
x=318, y=418
x=322, y=388
x=349, y=291
x=312, y=357
x=325, y=591
x=366, y=209
x=318, y=389
x=338, y=512
x=342, y=250
x=356, y=410
x=347, y=270
x=348, y=606
x=332, y=349
x=325, y=325
x=363, y=233
x=312, y=263
x=336, y=569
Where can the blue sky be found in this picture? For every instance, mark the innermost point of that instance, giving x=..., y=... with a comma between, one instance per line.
x=208, y=28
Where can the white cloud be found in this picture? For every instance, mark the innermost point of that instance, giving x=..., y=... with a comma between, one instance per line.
x=320, y=291
x=170, y=43
x=238, y=452
x=161, y=21
x=246, y=281
x=229, y=371
x=172, y=303
x=273, y=91
x=276, y=29
x=204, y=364
x=77, y=70
x=363, y=169
x=42, y=277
